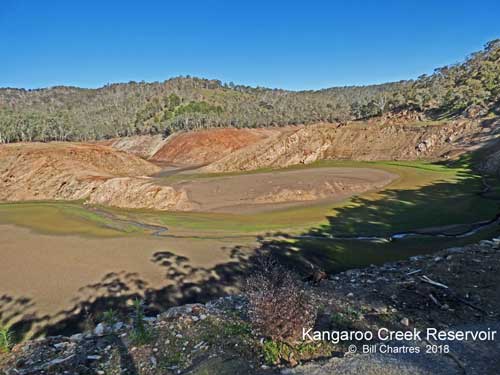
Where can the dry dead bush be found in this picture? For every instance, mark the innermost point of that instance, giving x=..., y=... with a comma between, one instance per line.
x=279, y=308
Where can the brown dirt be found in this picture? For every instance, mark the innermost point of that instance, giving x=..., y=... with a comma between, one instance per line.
x=355, y=141
x=55, y=273
x=400, y=136
x=38, y=171
x=265, y=191
x=206, y=146
x=73, y=171
x=144, y=146
x=102, y=175
x=126, y=192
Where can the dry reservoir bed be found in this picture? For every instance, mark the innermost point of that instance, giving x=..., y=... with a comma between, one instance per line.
x=47, y=276
x=267, y=191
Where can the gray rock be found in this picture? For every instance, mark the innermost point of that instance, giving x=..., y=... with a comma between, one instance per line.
x=59, y=361
x=76, y=337
x=100, y=329
x=455, y=250
x=153, y=361
x=486, y=243
x=117, y=326
x=177, y=311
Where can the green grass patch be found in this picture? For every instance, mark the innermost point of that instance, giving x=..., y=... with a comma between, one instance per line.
x=6, y=339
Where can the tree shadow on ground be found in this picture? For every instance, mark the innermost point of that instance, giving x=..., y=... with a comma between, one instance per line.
x=20, y=316
x=186, y=284
x=117, y=291
x=394, y=210
x=443, y=210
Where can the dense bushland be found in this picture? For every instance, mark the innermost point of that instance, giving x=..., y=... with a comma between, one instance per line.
x=184, y=103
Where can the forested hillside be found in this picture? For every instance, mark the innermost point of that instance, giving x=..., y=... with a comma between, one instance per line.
x=71, y=113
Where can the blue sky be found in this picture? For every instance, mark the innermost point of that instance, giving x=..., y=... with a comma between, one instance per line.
x=287, y=44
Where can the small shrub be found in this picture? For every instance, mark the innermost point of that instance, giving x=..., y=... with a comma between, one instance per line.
x=6, y=339
x=141, y=334
x=273, y=351
x=278, y=307
x=110, y=317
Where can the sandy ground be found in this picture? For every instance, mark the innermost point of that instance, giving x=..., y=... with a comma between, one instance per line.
x=53, y=273
x=266, y=191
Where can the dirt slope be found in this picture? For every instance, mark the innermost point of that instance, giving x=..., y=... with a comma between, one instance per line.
x=356, y=141
x=127, y=192
x=41, y=171
x=490, y=155
x=206, y=146
x=144, y=146
x=104, y=175
x=101, y=175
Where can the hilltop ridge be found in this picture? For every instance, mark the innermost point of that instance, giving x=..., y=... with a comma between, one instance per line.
x=471, y=89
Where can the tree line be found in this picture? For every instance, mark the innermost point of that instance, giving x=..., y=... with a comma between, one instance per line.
x=65, y=113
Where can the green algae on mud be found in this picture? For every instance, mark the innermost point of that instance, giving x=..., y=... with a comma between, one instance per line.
x=336, y=255
x=61, y=218
x=451, y=192
x=424, y=195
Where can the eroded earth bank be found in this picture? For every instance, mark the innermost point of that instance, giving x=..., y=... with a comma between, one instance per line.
x=128, y=172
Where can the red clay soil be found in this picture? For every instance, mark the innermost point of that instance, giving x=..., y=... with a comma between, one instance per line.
x=206, y=146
